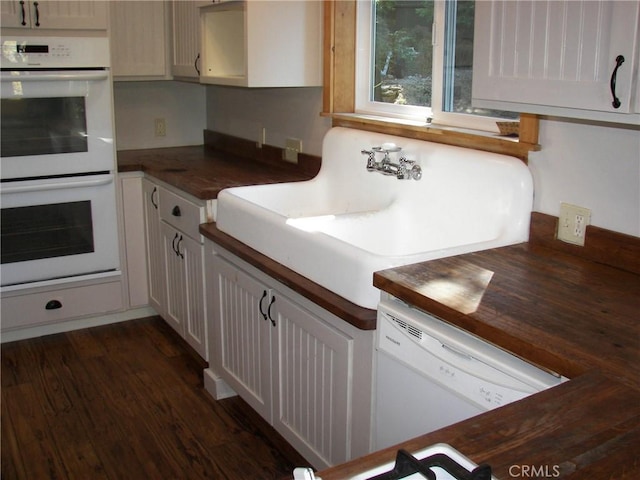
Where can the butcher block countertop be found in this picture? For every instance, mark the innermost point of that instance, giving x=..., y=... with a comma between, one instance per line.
x=222, y=162
x=573, y=310
x=555, y=309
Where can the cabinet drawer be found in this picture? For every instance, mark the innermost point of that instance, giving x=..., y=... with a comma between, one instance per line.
x=30, y=309
x=181, y=213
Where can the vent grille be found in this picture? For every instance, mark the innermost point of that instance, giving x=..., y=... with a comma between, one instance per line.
x=410, y=329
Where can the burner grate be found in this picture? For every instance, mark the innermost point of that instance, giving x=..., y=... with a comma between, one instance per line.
x=406, y=464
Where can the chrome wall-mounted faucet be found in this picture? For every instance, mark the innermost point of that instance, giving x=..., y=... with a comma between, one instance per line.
x=403, y=170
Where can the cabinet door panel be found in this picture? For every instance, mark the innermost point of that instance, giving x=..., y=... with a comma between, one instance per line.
x=313, y=368
x=52, y=14
x=186, y=38
x=176, y=304
x=70, y=14
x=138, y=39
x=155, y=248
x=555, y=54
x=244, y=338
x=13, y=13
x=195, y=322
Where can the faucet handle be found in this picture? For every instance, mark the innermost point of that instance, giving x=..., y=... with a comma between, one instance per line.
x=415, y=172
x=371, y=160
x=409, y=169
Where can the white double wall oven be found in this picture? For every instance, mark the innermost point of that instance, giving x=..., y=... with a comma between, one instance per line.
x=57, y=172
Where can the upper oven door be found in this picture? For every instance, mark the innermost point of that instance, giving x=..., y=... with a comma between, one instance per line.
x=56, y=123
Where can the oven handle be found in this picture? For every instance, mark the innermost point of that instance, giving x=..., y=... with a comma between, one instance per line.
x=8, y=188
x=61, y=75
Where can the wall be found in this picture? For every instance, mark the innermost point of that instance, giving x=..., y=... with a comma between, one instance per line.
x=137, y=104
x=596, y=166
x=283, y=112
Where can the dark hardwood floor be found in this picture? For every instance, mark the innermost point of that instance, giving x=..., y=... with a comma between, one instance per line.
x=126, y=401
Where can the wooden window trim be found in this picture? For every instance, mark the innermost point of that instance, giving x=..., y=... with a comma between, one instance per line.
x=339, y=96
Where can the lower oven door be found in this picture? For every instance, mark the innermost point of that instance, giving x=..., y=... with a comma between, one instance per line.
x=56, y=228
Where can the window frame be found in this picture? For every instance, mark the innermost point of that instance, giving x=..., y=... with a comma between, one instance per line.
x=339, y=96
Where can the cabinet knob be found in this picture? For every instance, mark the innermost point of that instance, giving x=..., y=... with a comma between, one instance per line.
x=176, y=211
x=53, y=305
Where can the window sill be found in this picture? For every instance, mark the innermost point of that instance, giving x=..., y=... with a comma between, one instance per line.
x=476, y=139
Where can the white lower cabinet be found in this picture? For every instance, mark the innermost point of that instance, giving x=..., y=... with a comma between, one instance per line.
x=175, y=262
x=304, y=370
x=242, y=332
x=313, y=363
x=185, y=308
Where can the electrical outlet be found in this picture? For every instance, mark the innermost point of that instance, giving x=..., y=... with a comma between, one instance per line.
x=293, y=146
x=160, y=127
x=572, y=223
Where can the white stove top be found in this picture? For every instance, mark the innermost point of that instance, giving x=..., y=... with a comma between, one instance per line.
x=441, y=474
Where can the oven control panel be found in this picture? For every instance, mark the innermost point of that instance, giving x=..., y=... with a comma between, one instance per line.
x=54, y=52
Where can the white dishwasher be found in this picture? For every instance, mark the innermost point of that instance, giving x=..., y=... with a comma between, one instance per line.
x=431, y=374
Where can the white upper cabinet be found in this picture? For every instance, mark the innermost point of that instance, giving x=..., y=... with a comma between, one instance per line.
x=67, y=15
x=262, y=43
x=139, y=40
x=558, y=58
x=186, y=63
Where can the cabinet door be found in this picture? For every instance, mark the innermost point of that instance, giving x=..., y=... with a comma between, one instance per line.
x=551, y=54
x=68, y=15
x=138, y=39
x=186, y=39
x=156, y=276
x=176, y=301
x=262, y=43
x=191, y=254
x=313, y=366
x=15, y=14
x=242, y=354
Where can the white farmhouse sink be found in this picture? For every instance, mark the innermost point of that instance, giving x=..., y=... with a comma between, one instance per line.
x=346, y=223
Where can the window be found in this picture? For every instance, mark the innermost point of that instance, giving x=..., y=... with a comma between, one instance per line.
x=414, y=61
x=339, y=95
